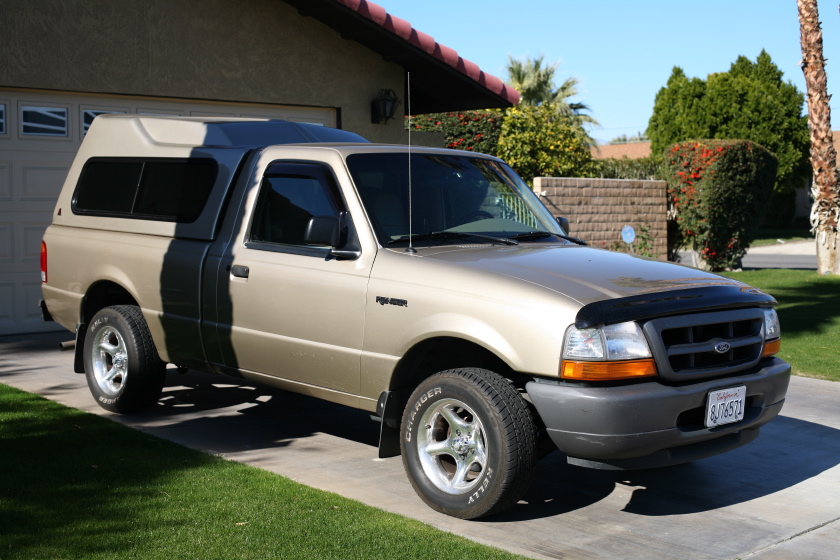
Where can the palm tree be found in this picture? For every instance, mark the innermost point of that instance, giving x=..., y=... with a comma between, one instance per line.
x=825, y=214
x=535, y=84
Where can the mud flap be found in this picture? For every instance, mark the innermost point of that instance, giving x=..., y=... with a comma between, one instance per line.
x=389, y=407
x=79, y=356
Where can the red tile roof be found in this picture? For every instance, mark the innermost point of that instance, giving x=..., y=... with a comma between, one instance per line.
x=630, y=150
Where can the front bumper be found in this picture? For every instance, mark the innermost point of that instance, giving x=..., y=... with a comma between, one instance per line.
x=649, y=424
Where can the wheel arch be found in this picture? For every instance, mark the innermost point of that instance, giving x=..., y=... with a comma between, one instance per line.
x=99, y=295
x=423, y=360
x=432, y=355
x=103, y=294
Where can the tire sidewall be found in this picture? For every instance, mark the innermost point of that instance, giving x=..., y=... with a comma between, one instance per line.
x=484, y=495
x=139, y=386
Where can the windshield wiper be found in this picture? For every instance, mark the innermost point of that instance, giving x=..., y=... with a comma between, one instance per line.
x=533, y=235
x=572, y=239
x=452, y=235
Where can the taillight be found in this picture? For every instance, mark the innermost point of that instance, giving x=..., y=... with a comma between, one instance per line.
x=43, y=262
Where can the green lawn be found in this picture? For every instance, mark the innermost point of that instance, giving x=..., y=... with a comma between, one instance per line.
x=75, y=485
x=809, y=311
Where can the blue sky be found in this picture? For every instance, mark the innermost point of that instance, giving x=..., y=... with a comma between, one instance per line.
x=622, y=51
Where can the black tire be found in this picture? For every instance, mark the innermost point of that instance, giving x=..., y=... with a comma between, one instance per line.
x=123, y=370
x=468, y=443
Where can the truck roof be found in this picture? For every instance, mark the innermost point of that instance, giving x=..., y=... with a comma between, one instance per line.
x=216, y=132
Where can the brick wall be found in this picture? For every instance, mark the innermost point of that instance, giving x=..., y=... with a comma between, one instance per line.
x=597, y=209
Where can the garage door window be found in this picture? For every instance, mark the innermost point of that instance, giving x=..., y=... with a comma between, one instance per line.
x=89, y=114
x=2, y=118
x=173, y=190
x=43, y=121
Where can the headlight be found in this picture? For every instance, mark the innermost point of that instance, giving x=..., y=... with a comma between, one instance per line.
x=772, y=334
x=771, y=324
x=623, y=341
x=607, y=353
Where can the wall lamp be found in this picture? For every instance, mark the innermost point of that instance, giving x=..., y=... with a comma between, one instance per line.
x=383, y=106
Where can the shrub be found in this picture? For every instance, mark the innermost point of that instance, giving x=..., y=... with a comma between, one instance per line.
x=646, y=168
x=473, y=131
x=538, y=142
x=718, y=192
x=643, y=245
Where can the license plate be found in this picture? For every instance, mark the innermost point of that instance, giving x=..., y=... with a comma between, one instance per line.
x=725, y=406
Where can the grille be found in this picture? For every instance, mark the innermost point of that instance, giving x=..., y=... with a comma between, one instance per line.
x=706, y=344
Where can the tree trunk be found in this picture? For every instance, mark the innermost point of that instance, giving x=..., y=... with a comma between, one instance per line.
x=825, y=214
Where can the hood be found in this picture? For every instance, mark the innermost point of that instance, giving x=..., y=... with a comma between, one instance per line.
x=583, y=274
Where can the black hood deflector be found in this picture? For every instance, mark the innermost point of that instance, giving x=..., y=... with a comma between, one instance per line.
x=676, y=302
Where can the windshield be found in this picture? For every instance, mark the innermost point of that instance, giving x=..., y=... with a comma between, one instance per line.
x=450, y=193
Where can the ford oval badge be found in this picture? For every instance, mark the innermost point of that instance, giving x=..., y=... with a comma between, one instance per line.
x=722, y=347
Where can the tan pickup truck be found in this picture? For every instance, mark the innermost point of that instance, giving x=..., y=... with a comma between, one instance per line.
x=430, y=287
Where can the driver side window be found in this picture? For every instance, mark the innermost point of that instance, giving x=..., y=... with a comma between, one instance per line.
x=290, y=195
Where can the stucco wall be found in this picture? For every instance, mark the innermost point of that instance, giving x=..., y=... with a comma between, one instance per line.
x=598, y=208
x=221, y=50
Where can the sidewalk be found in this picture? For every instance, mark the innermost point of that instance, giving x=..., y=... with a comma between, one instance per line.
x=807, y=247
x=793, y=255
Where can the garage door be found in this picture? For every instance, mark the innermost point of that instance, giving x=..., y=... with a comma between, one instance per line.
x=39, y=135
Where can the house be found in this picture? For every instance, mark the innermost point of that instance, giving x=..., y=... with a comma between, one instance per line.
x=316, y=61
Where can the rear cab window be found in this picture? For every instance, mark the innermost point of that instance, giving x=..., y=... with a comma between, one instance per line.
x=164, y=189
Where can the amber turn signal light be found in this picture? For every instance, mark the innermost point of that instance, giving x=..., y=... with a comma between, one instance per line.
x=607, y=371
x=771, y=348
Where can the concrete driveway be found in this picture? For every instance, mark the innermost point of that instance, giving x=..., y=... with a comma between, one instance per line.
x=776, y=498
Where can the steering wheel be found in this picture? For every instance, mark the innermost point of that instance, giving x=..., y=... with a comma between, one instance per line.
x=474, y=216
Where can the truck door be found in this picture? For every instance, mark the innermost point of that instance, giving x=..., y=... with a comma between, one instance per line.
x=284, y=308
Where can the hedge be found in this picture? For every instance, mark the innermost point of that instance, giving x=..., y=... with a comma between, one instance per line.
x=718, y=193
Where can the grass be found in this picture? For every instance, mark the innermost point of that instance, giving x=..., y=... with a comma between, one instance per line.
x=772, y=236
x=75, y=485
x=809, y=312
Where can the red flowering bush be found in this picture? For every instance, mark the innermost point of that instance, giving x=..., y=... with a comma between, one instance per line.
x=718, y=193
x=473, y=131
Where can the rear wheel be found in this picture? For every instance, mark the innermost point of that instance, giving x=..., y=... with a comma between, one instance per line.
x=468, y=443
x=123, y=370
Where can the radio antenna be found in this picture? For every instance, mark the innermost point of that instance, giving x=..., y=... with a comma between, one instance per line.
x=410, y=248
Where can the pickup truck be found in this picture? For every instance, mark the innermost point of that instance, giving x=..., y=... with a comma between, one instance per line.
x=429, y=287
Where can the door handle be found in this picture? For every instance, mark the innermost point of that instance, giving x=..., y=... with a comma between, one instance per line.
x=239, y=271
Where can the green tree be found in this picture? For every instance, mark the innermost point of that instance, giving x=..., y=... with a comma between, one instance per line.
x=749, y=102
x=624, y=139
x=534, y=80
x=538, y=142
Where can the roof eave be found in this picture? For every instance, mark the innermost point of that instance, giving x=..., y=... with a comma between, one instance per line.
x=440, y=79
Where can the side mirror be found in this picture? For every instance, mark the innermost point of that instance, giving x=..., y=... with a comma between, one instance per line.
x=322, y=230
x=326, y=231
x=564, y=223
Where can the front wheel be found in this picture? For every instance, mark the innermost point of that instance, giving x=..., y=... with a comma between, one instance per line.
x=123, y=370
x=468, y=443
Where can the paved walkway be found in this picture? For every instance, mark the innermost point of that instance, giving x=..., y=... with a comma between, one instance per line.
x=808, y=247
x=776, y=498
x=794, y=254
